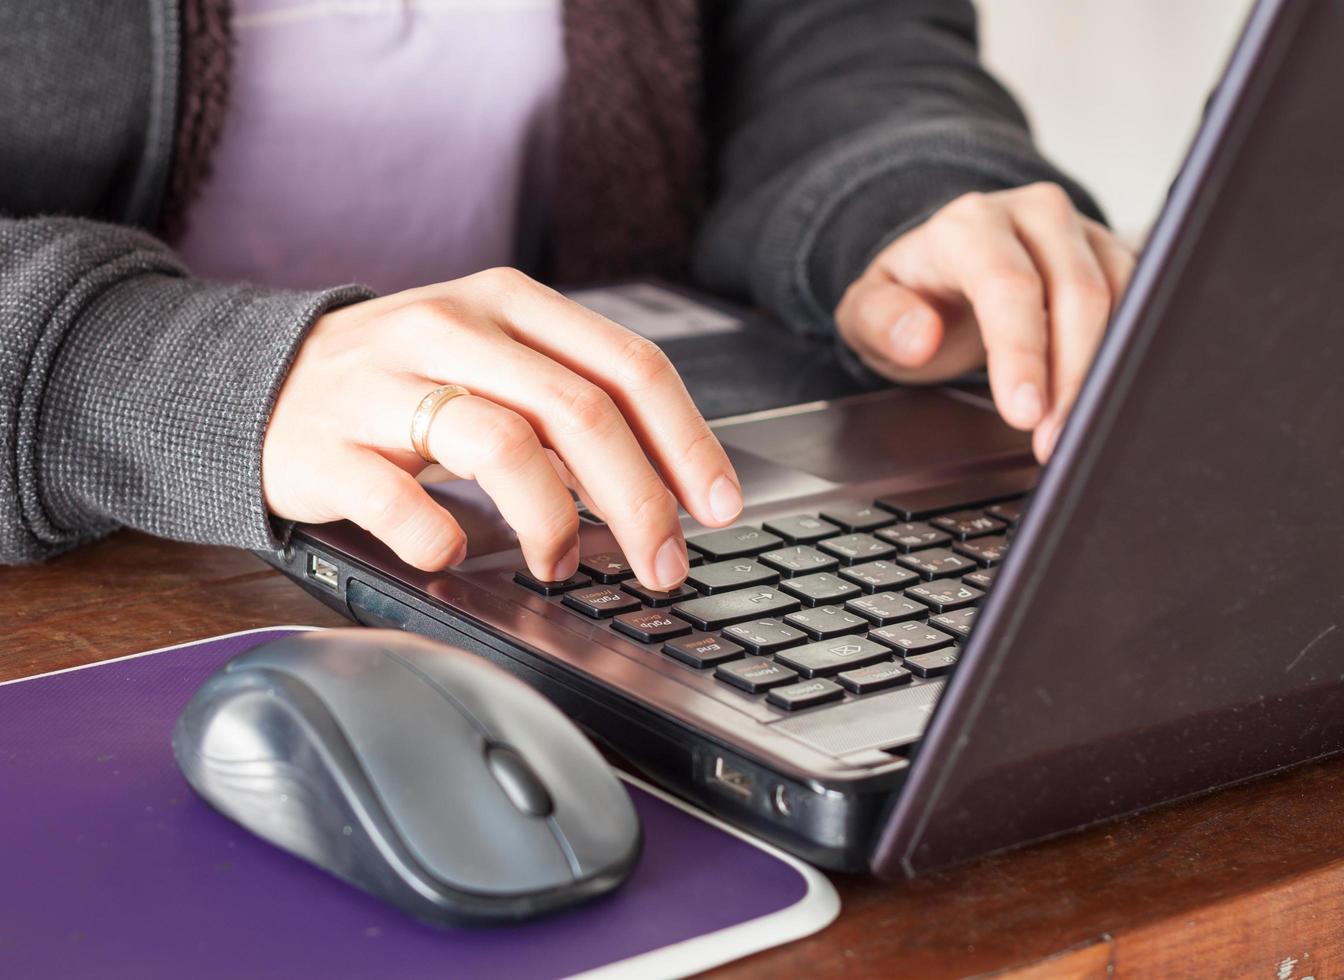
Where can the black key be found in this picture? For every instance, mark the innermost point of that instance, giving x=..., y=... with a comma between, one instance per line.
x=911, y=637
x=735, y=573
x=805, y=694
x=832, y=656
x=714, y=612
x=886, y=607
x=957, y=623
x=854, y=515
x=799, y=559
x=655, y=597
x=825, y=622
x=913, y=535
x=879, y=576
x=987, y=551
x=600, y=601
x=853, y=549
x=703, y=651
x=937, y=563
x=820, y=589
x=945, y=595
x=551, y=588
x=608, y=566
x=920, y=505
x=982, y=579
x=965, y=524
x=1010, y=511
x=933, y=663
x=764, y=636
x=754, y=675
x=650, y=625
x=875, y=677
x=733, y=542
x=801, y=528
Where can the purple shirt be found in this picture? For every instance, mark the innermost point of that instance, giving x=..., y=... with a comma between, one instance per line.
x=389, y=142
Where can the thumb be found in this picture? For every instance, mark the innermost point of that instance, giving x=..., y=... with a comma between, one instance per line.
x=884, y=322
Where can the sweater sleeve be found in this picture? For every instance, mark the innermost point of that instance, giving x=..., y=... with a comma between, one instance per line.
x=841, y=124
x=132, y=394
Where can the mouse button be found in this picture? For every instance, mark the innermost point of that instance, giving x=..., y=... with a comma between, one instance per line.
x=519, y=782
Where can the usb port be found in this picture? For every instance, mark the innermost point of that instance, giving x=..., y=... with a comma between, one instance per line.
x=323, y=572
x=733, y=780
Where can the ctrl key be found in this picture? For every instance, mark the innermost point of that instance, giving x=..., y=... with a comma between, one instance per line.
x=755, y=675
x=805, y=695
x=875, y=677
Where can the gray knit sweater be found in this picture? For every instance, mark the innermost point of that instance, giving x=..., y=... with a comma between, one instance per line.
x=132, y=394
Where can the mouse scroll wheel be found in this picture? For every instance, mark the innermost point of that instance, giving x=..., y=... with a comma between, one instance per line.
x=519, y=782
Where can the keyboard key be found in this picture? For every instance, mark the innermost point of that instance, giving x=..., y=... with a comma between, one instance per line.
x=911, y=637
x=854, y=515
x=879, y=576
x=825, y=622
x=733, y=542
x=945, y=595
x=982, y=579
x=886, y=607
x=608, y=566
x=913, y=536
x=804, y=695
x=655, y=597
x=799, y=559
x=736, y=573
x=714, y=612
x=832, y=656
x=933, y=663
x=919, y=505
x=937, y=563
x=754, y=675
x=987, y=551
x=1010, y=511
x=853, y=549
x=957, y=623
x=763, y=636
x=820, y=589
x=703, y=651
x=650, y=625
x=875, y=677
x=965, y=524
x=801, y=528
x=600, y=601
x=551, y=588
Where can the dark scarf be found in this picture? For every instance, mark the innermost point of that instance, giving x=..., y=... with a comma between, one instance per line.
x=630, y=174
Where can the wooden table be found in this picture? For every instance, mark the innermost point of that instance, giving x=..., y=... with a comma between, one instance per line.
x=1247, y=882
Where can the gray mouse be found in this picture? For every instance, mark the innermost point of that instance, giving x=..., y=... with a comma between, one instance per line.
x=417, y=771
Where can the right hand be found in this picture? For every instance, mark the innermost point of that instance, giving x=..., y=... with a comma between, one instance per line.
x=559, y=397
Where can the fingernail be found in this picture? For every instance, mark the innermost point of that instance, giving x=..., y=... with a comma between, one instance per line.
x=907, y=336
x=458, y=556
x=1026, y=405
x=670, y=565
x=567, y=565
x=725, y=500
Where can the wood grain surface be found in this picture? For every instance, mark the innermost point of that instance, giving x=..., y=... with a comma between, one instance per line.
x=1248, y=882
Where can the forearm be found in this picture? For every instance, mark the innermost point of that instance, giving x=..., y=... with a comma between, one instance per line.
x=132, y=394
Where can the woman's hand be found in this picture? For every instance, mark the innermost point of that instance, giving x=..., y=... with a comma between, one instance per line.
x=1018, y=279
x=559, y=397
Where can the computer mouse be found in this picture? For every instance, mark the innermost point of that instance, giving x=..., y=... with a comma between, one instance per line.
x=414, y=770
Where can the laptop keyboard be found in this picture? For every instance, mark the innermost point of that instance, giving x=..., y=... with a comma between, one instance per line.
x=810, y=610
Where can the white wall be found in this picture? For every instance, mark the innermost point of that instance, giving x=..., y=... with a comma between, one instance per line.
x=1114, y=88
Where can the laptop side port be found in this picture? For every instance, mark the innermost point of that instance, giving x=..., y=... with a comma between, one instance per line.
x=733, y=780
x=323, y=572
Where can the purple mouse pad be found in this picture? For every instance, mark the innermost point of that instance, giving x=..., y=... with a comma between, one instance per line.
x=111, y=866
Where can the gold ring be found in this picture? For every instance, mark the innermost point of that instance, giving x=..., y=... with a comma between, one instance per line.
x=424, y=416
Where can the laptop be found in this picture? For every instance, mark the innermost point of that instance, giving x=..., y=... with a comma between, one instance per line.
x=916, y=647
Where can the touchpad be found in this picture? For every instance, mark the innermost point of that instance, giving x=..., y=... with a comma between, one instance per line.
x=871, y=437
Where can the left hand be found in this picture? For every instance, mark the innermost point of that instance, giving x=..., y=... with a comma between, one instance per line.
x=1017, y=279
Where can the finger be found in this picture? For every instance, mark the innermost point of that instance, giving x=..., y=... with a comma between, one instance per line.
x=572, y=482
x=388, y=503
x=972, y=245
x=1117, y=260
x=642, y=382
x=887, y=324
x=1079, y=296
